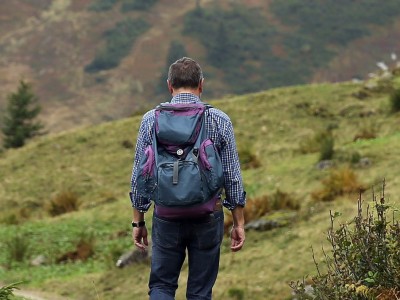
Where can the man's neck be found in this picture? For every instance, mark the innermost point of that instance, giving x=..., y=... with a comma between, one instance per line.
x=186, y=90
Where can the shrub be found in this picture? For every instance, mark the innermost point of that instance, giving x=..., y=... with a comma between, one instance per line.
x=129, y=5
x=365, y=259
x=367, y=131
x=248, y=159
x=102, y=5
x=62, y=203
x=7, y=291
x=395, y=101
x=83, y=250
x=260, y=206
x=236, y=293
x=327, y=148
x=255, y=208
x=321, y=141
x=17, y=248
x=339, y=182
x=281, y=200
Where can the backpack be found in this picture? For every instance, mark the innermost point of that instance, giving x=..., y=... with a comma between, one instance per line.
x=181, y=171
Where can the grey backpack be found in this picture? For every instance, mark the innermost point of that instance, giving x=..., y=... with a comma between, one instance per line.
x=181, y=171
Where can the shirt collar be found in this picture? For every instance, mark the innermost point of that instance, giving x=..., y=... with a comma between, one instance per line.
x=185, y=98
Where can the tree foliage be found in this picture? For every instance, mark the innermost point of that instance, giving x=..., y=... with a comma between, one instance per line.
x=176, y=51
x=255, y=54
x=19, y=120
x=128, y=5
x=119, y=42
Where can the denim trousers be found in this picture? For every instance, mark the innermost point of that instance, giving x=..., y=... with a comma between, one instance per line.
x=171, y=240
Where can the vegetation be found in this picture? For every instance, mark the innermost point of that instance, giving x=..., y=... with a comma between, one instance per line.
x=240, y=46
x=102, y=5
x=176, y=51
x=16, y=247
x=7, y=291
x=19, y=122
x=364, y=262
x=395, y=101
x=243, y=38
x=342, y=181
x=119, y=42
x=62, y=203
x=128, y=5
x=96, y=161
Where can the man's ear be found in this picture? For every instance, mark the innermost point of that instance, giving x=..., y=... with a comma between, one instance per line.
x=201, y=83
x=170, y=88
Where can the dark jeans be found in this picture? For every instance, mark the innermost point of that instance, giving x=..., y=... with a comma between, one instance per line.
x=202, y=238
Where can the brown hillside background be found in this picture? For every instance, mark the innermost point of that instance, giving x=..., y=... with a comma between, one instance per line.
x=49, y=42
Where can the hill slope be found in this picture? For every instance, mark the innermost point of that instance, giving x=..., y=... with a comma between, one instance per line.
x=95, y=164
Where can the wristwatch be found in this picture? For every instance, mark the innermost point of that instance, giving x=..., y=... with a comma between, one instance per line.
x=138, y=224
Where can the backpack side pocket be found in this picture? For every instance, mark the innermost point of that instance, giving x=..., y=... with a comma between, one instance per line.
x=145, y=179
x=211, y=164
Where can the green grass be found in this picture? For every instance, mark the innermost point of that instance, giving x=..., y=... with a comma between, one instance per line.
x=95, y=163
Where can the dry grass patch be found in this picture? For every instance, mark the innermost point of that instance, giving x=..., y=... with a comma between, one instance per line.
x=341, y=181
x=62, y=203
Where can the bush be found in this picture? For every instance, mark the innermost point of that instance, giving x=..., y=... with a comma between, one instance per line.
x=102, y=5
x=83, y=250
x=7, y=291
x=236, y=293
x=62, y=203
x=281, y=200
x=129, y=5
x=17, y=248
x=339, y=182
x=321, y=141
x=326, y=150
x=395, y=101
x=365, y=259
x=248, y=160
x=260, y=206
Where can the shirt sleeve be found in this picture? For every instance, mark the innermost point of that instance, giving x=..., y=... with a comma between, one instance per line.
x=144, y=139
x=235, y=194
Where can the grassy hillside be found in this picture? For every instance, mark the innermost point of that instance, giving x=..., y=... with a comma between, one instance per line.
x=92, y=61
x=94, y=163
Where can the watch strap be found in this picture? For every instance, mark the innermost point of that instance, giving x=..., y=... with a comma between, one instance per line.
x=138, y=224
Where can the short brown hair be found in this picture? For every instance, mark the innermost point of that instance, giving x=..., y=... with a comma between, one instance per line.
x=185, y=72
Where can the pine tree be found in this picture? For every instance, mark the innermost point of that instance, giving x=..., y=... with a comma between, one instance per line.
x=18, y=121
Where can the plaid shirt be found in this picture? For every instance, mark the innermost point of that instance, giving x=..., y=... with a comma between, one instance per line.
x=220, y=131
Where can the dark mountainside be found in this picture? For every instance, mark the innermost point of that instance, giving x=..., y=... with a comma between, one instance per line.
x=92, y=61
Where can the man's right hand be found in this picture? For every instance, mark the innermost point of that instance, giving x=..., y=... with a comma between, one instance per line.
x=139, y=235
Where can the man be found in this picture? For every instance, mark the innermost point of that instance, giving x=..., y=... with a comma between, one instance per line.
x=200, y=237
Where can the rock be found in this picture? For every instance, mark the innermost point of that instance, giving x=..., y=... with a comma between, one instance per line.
x=324, y=164
x=364, y=162
x=133, y=256
x=261, y=225
x=39, y=261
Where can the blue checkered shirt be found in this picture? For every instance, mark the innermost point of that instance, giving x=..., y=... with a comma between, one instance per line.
x=220, y=131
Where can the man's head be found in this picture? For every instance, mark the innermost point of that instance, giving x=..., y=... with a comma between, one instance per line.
x=185, y=74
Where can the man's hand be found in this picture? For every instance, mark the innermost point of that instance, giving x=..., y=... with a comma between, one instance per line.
x=139, y=235
x=237, y=238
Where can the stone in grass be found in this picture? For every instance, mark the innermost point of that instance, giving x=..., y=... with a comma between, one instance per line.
x=39, y=260
x=133, y=256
